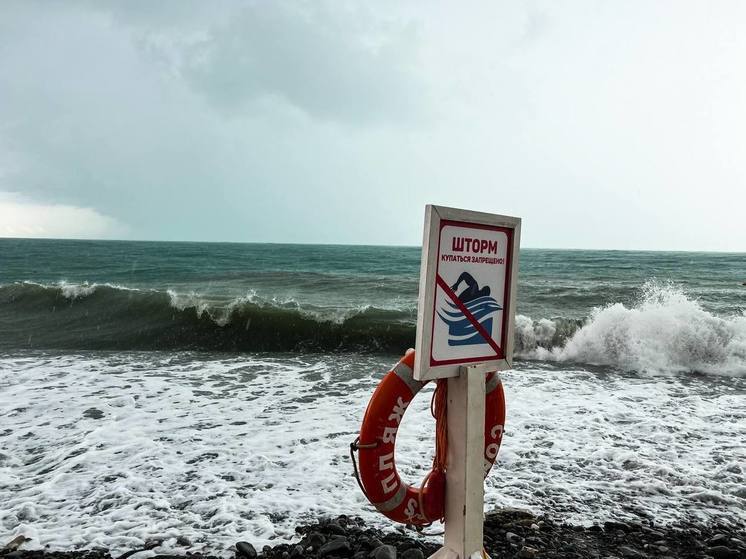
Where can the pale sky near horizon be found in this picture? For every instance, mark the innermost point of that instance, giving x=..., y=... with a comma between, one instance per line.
x=616, y=125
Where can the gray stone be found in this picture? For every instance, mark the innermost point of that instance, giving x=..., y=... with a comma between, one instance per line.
x=316, y=540
x=612, y=525
x=722, y=552
x=297, y=552
x=717, y=539
x=16, y=542
x=384, y=552
x=629, y=552
x=513, y=538
x=413, y=553
x=338, y=546
x=527, y=552
x=335, y=527
x=246, y=550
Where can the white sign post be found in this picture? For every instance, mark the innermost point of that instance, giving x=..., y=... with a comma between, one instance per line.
x=468, y=280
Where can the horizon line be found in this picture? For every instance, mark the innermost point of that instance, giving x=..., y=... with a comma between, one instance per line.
x=297, y=243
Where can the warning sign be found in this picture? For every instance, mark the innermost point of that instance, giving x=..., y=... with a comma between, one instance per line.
x=467, y=293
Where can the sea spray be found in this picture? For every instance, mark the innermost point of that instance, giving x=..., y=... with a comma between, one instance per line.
x=666, y=331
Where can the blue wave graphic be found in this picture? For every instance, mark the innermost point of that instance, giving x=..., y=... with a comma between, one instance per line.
x=460, y=329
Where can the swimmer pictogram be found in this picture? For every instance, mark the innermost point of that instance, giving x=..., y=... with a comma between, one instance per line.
x=480, y=305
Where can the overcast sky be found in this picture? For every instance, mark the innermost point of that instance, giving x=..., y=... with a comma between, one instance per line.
x=601, y=124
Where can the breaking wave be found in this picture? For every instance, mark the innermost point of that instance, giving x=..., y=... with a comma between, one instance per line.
x=663, y=331
x=108, y=316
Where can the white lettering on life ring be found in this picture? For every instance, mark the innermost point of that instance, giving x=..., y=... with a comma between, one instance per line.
x=386, y=462
x=389, y=484
x=399, y=409
x=389, y=434
x=411, y=511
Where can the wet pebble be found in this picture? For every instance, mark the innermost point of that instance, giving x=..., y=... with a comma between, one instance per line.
x=338, y=547
x=528, y=552
x=334, y=527
x=245, y=550
x=384, y=552
x=413, y=553
x=316, y=540
x=722, y=552
x=513, y=538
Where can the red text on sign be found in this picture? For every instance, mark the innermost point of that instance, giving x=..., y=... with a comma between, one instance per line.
x=468, y=244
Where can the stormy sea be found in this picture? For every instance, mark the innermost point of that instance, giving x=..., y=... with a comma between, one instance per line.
x=208, y=392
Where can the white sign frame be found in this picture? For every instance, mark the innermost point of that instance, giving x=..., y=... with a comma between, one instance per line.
x=425, y=367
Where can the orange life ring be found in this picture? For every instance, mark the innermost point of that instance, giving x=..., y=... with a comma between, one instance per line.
x=378, y=476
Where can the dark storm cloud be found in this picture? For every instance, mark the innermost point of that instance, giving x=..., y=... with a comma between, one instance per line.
x=310, y=58
x=330, y=61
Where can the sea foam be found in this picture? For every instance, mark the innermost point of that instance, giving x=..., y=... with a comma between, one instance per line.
x=114, y=449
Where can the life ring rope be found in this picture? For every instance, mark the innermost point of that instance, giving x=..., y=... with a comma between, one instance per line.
x=439, y=411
